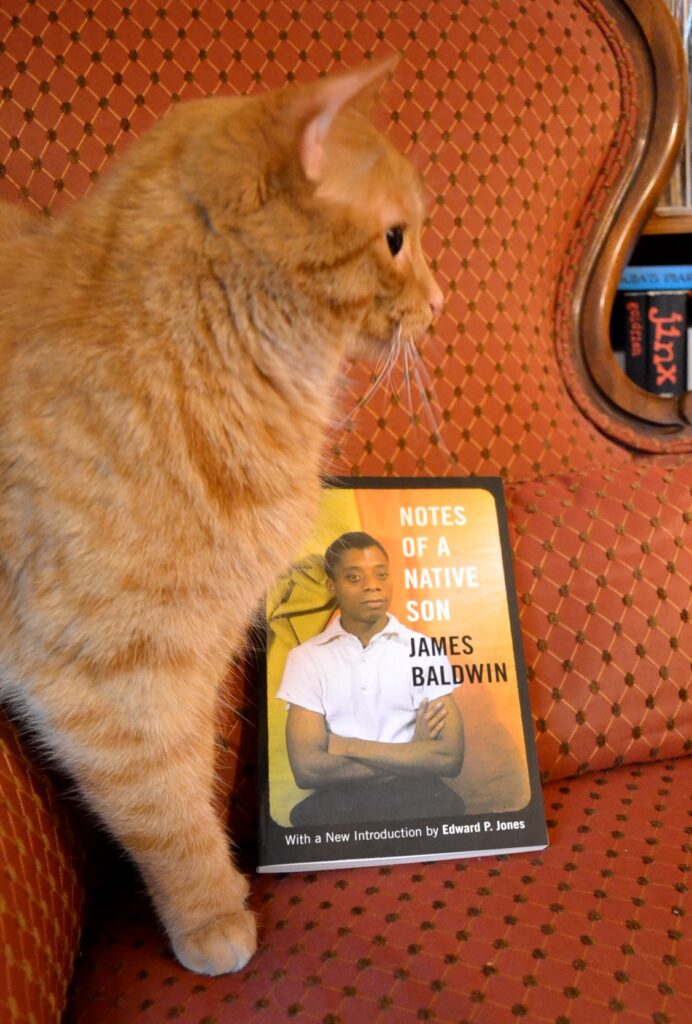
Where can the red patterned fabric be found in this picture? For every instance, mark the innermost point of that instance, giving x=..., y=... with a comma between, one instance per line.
x=42, y=893
x=520, y=116
x=592, y=930
x=603, y=565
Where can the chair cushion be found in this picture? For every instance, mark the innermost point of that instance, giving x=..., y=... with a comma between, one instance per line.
x=592, y=925
x=603, y=565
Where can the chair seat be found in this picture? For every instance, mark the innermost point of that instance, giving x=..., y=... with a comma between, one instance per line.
x=591, y=929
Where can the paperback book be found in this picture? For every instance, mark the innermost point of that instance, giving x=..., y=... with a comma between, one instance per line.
x=670, y=277
x=396, y=725
x=656, y=340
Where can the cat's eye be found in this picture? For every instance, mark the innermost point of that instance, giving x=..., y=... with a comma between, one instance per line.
x=395, y=239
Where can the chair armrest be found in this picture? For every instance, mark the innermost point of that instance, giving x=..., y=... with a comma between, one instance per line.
x=43, y=896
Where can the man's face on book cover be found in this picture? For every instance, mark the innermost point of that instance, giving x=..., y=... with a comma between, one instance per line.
x=362, y=586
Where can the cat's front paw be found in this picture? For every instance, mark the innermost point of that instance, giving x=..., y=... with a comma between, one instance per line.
x=220, y=947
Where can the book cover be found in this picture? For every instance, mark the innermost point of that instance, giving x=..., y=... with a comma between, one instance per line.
x=397, y=725
x=651, y=326
x=666, y=318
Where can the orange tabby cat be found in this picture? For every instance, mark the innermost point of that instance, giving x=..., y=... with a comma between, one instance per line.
x=168, y=349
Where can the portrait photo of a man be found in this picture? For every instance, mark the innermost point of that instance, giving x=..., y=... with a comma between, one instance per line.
x=366, y=741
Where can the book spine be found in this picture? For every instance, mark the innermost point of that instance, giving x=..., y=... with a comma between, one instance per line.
x=635, y=310
x=666, y=320
x=656, y=278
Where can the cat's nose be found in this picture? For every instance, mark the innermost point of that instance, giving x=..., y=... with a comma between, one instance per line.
x=435, y=298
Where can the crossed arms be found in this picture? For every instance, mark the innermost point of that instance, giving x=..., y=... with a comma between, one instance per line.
x=320, y=758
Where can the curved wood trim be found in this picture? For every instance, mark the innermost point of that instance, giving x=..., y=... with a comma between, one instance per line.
x=653, y=40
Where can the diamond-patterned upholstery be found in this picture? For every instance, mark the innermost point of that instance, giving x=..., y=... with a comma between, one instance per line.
x=43, y=890
x=603, y=568
x=521, y=115
x=567, y=935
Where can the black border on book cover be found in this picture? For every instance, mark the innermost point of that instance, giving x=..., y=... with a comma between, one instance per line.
x=284, y=847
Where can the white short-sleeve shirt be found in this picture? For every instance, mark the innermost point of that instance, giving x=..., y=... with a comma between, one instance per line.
x=364, y=692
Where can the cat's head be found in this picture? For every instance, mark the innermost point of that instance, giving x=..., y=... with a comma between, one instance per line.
x=320, y=197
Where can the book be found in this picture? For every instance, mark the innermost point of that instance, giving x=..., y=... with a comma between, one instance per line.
x=635, y=306
x=651, y=326
x=666, y=342
x=656, y=278
x=396, y=724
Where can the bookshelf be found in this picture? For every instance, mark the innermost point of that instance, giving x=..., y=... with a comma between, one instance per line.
x=666, y=242
x=652, y=314
x=637, y=229
x=674, y=210
x=666, y=238
x=664, y=222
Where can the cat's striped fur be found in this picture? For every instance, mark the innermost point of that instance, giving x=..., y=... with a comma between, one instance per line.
x=168, y=349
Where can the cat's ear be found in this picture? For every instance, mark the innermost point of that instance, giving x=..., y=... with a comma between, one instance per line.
x=328, y=97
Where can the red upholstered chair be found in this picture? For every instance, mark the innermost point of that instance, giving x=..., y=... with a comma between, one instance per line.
x=544, y=128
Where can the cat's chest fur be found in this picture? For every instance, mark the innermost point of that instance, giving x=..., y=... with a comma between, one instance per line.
x=154, y=508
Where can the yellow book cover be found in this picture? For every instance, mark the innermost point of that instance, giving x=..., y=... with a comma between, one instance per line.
x=397, y=724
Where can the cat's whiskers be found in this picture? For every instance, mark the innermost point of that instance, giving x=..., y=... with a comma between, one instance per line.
x=381, y=376
x=407, y=381
x=403, y=355
x=394, y=355
x=422, y=368
x=416, y=372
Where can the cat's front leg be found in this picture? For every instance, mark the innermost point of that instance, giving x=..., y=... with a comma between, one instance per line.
x=198, y=892
x=222, y=939
x=142, y=750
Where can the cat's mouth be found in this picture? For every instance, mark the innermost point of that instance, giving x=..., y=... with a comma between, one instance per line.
x=411, y=324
